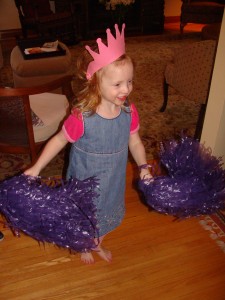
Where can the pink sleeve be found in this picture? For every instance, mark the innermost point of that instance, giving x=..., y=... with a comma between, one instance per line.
x=134, y=126
x=73, y=128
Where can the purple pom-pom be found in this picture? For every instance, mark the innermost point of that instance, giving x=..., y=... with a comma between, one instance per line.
x=63, y=215
x=181, y=197
x=195, y=184
x=188, y=157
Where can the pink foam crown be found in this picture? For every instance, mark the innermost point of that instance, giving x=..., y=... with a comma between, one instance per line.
x=107, y=54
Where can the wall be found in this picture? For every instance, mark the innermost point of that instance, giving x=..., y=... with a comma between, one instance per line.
x=172, y=8
x=9, y=17
x=213, y=133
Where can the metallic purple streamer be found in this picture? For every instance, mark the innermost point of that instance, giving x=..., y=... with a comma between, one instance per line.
x=195, y=184
x=63, y=215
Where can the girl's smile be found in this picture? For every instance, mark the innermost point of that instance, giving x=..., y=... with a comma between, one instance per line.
x=122, y=98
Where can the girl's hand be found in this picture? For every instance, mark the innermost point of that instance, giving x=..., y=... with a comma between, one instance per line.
x=31, y=172
x=51, y=149
x=145, y=174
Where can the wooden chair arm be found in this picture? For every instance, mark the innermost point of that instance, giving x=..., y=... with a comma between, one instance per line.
x=63, y=82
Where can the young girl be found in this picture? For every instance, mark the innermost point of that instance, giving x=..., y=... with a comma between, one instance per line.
x=100, y=127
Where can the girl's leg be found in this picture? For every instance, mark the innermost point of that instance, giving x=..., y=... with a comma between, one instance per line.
x=101, y=251
x=105, y=254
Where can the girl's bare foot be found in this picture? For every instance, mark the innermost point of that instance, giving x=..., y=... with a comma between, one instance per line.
x=104, y=253
x=87, y=258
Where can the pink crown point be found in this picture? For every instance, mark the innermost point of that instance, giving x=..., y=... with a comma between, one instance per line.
x=106, y=54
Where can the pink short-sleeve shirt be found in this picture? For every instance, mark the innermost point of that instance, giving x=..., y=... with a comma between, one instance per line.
x=73, y=126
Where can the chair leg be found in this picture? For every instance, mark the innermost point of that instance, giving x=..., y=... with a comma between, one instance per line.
x=182, y=24
x=199, y=125
x=33, y=155
x=165, y=95
x=66, y=159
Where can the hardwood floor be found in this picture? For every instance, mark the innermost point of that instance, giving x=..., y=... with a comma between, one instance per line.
x=154, y=257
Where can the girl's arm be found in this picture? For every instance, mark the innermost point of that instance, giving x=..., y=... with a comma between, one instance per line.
x=137, y=150
x=52, y=148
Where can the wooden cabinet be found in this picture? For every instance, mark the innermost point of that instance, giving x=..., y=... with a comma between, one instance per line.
x=142, y=17
x=80, y=12
x=100, y=18
x=152, y=16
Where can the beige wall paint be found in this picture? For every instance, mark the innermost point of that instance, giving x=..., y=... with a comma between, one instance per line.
x=172, y=8
x=213, y=133
x=9, y=17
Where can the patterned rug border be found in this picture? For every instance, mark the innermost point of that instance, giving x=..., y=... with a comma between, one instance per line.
x=215, y=225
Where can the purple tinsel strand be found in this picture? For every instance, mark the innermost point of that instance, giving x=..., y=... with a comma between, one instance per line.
x=63, y=215
x=188, y=157
x=195, y=184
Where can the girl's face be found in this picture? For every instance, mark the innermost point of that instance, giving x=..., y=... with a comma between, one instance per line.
x=116, y=82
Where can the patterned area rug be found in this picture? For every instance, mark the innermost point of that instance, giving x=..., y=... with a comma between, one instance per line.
x=215, y=225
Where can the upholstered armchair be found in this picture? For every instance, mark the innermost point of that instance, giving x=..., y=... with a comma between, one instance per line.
x=201, y=12
x=189, y=73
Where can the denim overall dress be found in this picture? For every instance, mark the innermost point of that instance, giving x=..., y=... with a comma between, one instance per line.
x=102, y=152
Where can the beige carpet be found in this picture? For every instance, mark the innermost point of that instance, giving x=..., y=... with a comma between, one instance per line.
x=151, y=54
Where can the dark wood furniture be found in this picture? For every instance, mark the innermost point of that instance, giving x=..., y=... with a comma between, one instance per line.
x=38, y=17
x=201, y=12
x=16, y=125
x=81, y=13
x=152, y=16
x=142, y=17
